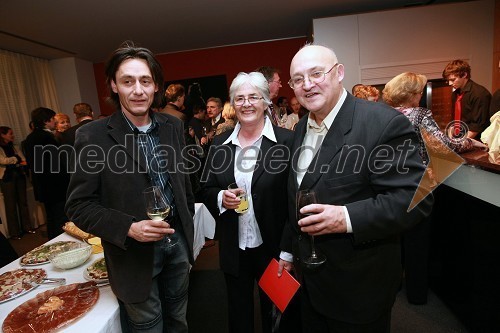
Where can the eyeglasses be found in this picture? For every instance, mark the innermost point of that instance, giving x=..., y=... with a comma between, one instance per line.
x=278, y=82
x=314, y=77
x=239, y=101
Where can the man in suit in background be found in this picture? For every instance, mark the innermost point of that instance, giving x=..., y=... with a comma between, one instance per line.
x=84, y=114
x=138, y=148
x=365, y=172
x=272, y=76
x=214, y=119
x=48, y=170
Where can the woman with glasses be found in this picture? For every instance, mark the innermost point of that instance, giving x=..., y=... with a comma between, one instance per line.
x=254, y=155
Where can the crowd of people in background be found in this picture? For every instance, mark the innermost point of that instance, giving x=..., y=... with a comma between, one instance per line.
x=350, y=221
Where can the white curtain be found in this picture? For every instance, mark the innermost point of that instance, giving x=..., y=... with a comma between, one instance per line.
x=25, y=84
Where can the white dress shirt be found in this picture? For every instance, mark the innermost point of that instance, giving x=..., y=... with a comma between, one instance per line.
x=245, y=159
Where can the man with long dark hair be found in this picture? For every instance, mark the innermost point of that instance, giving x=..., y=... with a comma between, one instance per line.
x=137, y=149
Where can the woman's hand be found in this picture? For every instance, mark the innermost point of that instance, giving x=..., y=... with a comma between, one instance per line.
x=230, y=200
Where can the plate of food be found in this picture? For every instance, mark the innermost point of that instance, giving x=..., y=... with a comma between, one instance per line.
x=52, y=309
x=18, y=282
x=41, y=254
x=97, y=271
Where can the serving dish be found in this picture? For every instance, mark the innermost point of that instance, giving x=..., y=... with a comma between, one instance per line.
x=71, y=256
x=41, y=254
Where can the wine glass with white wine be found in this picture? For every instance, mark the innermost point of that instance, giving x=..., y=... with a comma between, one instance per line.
x=157, y=209
x=304, y=198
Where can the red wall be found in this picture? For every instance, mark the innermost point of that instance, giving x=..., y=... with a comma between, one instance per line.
x=229, y=61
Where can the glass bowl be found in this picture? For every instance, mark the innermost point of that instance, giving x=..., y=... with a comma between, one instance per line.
x=71, y=257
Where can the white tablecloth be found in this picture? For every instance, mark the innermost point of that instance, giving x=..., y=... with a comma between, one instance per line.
x=104, y=317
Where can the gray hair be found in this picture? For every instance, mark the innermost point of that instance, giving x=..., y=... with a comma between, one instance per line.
x=256, y=80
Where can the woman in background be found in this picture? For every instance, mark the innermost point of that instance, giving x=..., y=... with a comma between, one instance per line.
x=62, y=123
x=229, y=114
x=175, y=96
x=403, y=93
x=13, y=185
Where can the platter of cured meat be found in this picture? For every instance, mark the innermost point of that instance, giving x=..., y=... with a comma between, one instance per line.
x=18, y=282
x=52, y=309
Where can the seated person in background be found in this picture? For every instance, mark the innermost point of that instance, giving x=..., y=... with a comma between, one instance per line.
x=403, y=93
x=229, y=114
x=369, y=93
x=174, y=96
x=62, y=124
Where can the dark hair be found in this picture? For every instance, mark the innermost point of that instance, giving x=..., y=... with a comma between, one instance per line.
x=458, y=68
x=173, y=92
x=126, y=51
x=41, y=115
x=267, y=71
x=4, y=130
x=280, y=100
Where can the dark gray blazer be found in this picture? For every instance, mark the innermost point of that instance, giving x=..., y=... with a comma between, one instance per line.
x=364, y=165
x=105, y=197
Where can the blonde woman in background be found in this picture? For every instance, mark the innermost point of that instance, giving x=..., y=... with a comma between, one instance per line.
x=229, y=114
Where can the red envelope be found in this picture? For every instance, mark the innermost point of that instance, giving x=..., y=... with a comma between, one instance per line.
x=279, y=289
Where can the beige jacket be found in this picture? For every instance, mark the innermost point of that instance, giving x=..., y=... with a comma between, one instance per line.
x=4, y=160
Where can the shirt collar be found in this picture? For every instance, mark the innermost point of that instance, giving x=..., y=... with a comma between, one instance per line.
x=152, y=125
x=217, y=118
x=267, y=131
x=328, y=121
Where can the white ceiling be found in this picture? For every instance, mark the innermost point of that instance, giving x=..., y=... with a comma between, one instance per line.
x=92, y=29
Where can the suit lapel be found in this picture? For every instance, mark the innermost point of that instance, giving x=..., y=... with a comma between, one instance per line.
x=262, y=162
x=332, y=144
x=121, y=132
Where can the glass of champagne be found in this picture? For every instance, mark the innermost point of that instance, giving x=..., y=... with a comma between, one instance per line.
x=157, y=209
x=241, y=193
x=304, y=198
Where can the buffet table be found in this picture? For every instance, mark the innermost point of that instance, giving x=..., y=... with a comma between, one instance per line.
x=104, y=316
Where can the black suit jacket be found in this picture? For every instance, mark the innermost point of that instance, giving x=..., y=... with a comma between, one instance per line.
x=268, y=186
x=47, y=166
x=105, y=197
x=368, y=162
x=68, y=136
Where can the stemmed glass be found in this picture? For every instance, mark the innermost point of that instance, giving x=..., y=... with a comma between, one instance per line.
x=304, y=198
x=157, y=209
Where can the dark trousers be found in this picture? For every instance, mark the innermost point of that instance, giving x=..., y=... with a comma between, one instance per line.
x=314, y=322
x=56, y=218
x=16, y=204
x=416, y=243
x=240, y=291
